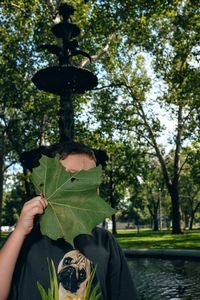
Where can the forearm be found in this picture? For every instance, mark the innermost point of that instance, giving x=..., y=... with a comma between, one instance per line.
x=10, y=251
x=8, y=257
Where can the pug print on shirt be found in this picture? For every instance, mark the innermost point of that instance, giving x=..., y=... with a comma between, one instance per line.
x=73, y=275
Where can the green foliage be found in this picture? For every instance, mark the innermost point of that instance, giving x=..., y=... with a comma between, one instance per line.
x=92, y=294
x=74, y=205
x=11, y=209
x=14, y=198
x=52, y=293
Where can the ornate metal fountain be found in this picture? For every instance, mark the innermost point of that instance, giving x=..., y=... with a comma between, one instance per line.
x=66, y=78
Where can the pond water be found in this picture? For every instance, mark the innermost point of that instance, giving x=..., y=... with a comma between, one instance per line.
x=161, y=279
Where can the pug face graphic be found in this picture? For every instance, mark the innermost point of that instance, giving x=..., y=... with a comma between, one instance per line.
x=73, y=274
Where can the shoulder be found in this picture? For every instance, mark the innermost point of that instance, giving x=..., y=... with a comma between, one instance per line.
x=104, y=235
x=101, y=232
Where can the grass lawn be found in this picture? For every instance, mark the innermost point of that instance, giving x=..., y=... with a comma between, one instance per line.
x=149, y=239
x=158, y=240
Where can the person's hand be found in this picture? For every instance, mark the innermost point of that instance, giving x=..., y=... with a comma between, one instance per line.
x=30, y=209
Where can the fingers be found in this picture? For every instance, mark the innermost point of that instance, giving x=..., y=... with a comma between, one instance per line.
x=31, y=208
x=38, y=201
x=44, y=201
x=35, y=206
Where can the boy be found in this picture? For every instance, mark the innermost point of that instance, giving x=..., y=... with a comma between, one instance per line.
x=23, y=259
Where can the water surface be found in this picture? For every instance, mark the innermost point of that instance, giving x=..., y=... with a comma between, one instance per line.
x=160, y=279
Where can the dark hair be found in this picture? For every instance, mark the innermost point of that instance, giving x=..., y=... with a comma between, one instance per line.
x=66, y=148
x=30, y=159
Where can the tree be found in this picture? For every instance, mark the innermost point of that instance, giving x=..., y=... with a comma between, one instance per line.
x=190, y=187
x=25, y=113
x=153, y=191
x=170, y=37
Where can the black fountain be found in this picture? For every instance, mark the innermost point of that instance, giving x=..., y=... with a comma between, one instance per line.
x=65, y=80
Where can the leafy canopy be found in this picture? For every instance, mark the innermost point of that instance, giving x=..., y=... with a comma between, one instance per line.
x=74, y=205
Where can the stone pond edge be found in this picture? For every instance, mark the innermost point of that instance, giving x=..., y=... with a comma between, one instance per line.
x=188, y=254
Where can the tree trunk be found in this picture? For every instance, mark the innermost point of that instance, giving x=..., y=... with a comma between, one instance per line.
x=114, y=226
x=191, y=221
x=186, y=219
x=176, y=216
x=112, y=202
x=155, y=223
x=2, y=141
x=193, y=215
x=154, y=214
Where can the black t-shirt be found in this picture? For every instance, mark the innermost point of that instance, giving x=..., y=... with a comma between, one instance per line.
x=73, y=266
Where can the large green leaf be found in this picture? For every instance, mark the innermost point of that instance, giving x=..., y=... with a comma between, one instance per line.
x=74, y=205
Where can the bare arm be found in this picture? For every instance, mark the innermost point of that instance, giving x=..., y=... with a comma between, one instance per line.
x=10, y=251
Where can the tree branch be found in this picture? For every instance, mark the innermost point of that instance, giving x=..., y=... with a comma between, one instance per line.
x=152, y=136
x=108, y=86
x=101, y=52
x=181, y=167
x=8, y=166
x=15, y=5
x=196, y=208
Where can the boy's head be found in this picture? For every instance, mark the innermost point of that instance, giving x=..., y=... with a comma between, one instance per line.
x=72, y=148
x=76, y=156
x=68, y=152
